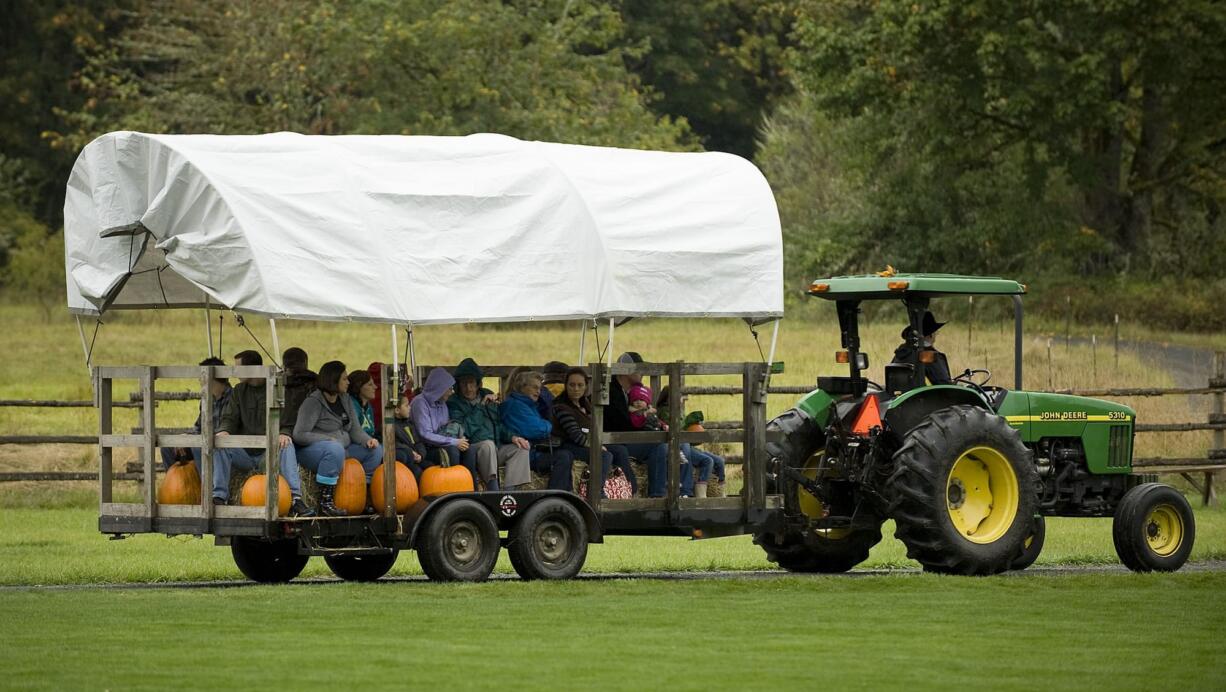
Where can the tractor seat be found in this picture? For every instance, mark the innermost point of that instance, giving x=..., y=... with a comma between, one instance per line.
x=898, y=377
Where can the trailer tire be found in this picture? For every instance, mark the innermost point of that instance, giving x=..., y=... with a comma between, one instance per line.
x=820, y=555
x=1153, y=529
x=268, y=562
x=963, y=492
x=1032, y=546
x=549, y=541
x=361, y=567
x=459, y=542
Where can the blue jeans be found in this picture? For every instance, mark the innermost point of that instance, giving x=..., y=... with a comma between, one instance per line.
x=702, y=462
x=655, y=458
x=615, y=456
x=558, y=464
x=168, y=457
x=225, y=460
x=327, y=458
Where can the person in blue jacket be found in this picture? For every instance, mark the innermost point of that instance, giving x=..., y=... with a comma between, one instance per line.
x=520, y=414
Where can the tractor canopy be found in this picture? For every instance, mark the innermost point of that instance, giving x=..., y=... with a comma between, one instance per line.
x=889, y=285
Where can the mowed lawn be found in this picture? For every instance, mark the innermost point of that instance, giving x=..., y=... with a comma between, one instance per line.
x=1100, y=631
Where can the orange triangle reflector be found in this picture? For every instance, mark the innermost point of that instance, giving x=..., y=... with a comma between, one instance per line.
x=868, y=418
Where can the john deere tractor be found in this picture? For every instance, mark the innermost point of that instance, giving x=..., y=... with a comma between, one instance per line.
x=966, y=470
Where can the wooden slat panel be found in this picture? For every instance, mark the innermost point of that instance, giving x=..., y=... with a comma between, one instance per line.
x=733, y=502
x=191, y=511
x=177, y=372
x=123, y=509
x=272, y=432
x=238, y=512
x=149, y=448
x=635, y=437
x=389, y=439
x=206, y=444
x=596, y=436
x=181, y=440
x=121, y=440
x=121, y=373
x=633, y=504
x=724, y=436
x=232, y=441
x=674, y=442
x=103, y=389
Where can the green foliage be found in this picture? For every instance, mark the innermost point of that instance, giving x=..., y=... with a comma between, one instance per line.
x=720, y=64
x=1096, y=116
x=533, y=69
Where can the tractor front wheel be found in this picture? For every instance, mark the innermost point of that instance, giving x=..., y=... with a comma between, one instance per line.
x=819, y=553
x=362, y=567
x=963, y=492
x=268, y=562
x=1153, y=529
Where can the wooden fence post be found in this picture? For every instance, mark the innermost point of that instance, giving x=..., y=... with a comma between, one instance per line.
x=1219, y=407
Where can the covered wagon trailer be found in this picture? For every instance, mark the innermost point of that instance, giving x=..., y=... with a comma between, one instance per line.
x=410, y=231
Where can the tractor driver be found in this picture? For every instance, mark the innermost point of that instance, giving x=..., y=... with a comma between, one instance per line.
x=938, y=370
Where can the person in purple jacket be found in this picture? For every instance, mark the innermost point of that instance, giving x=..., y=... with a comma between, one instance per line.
x=433, y=423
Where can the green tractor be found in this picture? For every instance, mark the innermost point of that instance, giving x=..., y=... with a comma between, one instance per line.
x=966, y=470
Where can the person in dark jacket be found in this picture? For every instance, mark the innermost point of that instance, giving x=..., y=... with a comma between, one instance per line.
x=219, y=392
x=299, y=383
x=572, y=415
x=409, y=450
x=362, y=391
x=654, y=456
x=247, y=414
x=490, y=442
x=328, y=431
x=522, y=418
x=938, y=370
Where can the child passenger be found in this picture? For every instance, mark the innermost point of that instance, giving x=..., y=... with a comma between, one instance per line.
x=409, y=451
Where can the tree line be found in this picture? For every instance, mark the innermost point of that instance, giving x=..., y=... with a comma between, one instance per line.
x=1049, y=139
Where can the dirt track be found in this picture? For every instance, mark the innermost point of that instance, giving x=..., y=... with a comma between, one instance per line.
x=1206, y=566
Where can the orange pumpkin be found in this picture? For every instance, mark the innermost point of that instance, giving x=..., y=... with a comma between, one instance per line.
x=695, y=427
x=181, y=486
x=406, y=488
x=440, y=480
x=351, y=488
x=255, y=490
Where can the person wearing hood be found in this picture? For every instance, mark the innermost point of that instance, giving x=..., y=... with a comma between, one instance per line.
x=432, y=420
x=490, y=442
x=521, y=416
x=938, y=370
x=328, y=430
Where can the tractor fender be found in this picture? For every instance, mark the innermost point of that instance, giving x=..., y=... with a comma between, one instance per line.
x=505, y=506
x=908, y=410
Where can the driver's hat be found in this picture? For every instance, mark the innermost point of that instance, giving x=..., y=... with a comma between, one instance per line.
x=931, y=325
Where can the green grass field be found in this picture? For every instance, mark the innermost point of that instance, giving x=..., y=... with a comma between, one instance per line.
x=914, y=632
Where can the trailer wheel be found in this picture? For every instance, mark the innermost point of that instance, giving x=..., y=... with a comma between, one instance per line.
x=1153, y=529
x=268, y=562
x=459, y=543
x=549, y=541
x=1032, y=546
x=361, y=567
x=963, y=492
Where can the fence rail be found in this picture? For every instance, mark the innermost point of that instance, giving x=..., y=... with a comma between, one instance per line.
x=1210, y=465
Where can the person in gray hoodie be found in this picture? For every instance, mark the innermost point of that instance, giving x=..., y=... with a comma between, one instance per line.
x=327, y=432
x=433, y=423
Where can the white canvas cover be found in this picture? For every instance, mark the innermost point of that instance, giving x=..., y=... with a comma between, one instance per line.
x=483, y=228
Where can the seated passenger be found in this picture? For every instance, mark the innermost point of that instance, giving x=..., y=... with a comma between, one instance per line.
x=362, y=394
x=572, y=415
x=409, y=451
x=299, y=383
x=937, y=371
x=704, y=463
x=247, y=414
x=523, y=419
x=654, y=456
x=432, y=421
x=219, y=390
x=328, y=432
x=553, y=384
x=490, y=442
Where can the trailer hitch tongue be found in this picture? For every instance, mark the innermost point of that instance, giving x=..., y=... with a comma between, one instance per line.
x=805, y=482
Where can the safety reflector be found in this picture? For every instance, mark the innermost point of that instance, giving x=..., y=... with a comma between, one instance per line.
x=868, y=418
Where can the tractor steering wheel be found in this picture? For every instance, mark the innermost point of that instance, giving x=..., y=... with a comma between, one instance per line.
x=967, y=378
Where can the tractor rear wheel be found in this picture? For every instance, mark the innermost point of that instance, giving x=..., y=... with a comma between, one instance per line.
x=1153, y=529
x=963, y=492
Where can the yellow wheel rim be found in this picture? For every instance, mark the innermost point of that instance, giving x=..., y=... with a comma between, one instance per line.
x=982, y=495
x=1164, y=530
x=812, y=507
